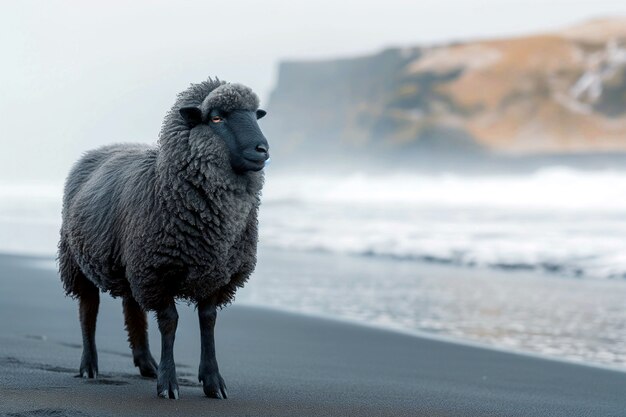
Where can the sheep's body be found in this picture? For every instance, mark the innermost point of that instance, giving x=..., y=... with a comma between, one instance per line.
x=152, y=222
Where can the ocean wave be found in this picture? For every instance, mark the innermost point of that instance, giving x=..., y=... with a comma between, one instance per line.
x=592, y=266
x=556, y=220
x=558, y=188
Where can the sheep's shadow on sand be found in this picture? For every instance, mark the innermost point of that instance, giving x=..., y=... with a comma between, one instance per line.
x=122, y=354
x=114, y=378
x=48, y=412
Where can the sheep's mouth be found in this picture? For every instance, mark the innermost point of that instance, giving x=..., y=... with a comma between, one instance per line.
x=258, y=163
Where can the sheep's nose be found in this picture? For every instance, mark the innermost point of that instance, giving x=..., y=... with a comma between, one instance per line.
x=261, y=149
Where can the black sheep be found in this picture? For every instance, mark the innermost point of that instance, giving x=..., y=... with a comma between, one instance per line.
x=176, y=221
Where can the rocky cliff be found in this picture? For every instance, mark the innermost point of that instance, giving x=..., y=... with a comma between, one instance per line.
x=561, y=92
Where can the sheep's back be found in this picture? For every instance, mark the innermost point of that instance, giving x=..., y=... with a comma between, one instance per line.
x=102, y=189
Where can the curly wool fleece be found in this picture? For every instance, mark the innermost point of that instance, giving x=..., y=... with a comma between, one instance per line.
x=167, y=221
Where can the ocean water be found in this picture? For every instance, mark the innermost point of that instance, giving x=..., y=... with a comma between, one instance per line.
x=581, y=320
x=533, y=262
x=555, y=220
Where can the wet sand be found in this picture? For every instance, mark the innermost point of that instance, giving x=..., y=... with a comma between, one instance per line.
x=274, y=364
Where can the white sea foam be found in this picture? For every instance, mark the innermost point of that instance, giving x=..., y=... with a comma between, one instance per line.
x=556, y=220
x=549, y=188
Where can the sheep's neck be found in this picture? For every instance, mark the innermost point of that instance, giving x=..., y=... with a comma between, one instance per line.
x=206, y=198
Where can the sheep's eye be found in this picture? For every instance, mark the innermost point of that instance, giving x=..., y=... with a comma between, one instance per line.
x=216, y=119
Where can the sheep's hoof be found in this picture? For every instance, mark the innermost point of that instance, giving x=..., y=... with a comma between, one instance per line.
x=171, y=393
x=213, y=385
x=88, y=366
x=147, y=365
x=167, y=386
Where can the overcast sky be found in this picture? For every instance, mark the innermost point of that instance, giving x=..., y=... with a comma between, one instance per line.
x=76, y=74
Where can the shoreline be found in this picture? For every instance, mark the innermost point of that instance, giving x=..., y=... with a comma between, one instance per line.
x=422, y=334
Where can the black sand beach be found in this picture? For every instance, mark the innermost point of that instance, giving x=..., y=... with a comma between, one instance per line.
x=274, y=364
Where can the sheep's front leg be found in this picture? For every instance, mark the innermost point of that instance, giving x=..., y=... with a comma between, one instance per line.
x=208, y=373
x=167, y=383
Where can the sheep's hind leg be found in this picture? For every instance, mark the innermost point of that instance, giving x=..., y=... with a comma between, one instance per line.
x=208, y=373
x=167, y=383
x=89, y=302
x=137, y=328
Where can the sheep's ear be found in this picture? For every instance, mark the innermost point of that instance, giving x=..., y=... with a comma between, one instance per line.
x=260, y=114
x=192, y=115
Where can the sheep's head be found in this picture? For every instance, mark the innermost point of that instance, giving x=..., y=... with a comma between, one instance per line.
x=230, y=112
